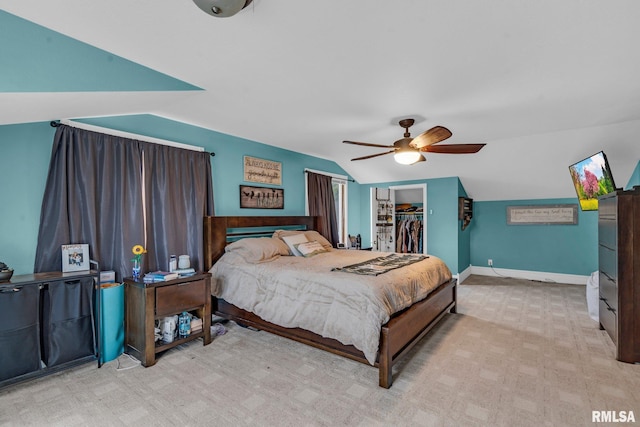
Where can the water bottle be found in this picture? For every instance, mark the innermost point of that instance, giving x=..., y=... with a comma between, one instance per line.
x=173, y=263
x=184, y=325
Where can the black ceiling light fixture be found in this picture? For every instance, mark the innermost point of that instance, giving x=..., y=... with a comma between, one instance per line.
x=222, y=8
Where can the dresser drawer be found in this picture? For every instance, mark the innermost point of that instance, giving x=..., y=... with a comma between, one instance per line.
x=608, y=262
x=609, y=320
x=175, y=298
x=607, y=232
x=608, y=290
x=608, y=208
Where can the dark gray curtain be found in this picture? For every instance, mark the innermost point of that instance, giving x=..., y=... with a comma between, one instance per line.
x=94, y=195
x=179, y=194
x=322, y=203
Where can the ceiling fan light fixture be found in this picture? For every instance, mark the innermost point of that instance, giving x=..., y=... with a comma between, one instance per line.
x=222, y=8
x=407, y=156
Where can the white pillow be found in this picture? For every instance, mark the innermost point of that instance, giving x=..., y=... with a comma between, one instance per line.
x=291, y=241
x=310, y=234
x=310, y=249
x=258, y=249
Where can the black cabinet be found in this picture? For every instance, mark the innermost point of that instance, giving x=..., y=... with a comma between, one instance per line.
x=48, y=322
x=19, y=331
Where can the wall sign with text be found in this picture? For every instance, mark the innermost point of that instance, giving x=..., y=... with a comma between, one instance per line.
x=263, y=171
x=542, y=214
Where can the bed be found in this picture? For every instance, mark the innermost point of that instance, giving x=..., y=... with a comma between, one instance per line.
x=397, y=331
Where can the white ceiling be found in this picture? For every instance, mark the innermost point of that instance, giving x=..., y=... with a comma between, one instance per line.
x=544, y=83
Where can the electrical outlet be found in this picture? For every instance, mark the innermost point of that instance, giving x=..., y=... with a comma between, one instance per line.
x=490, y=262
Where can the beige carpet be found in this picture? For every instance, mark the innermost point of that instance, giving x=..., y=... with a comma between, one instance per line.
x=519, y=353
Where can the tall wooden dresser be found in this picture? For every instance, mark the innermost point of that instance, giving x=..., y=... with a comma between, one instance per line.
x=619, y=265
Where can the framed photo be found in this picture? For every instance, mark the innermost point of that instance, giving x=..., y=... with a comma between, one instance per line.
x=261, y=197
x=75, y=257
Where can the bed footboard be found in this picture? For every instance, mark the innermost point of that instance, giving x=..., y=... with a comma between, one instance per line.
x=406, y=329
x=397, y=336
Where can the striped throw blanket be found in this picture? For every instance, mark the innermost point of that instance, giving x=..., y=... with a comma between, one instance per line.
x=380, y=265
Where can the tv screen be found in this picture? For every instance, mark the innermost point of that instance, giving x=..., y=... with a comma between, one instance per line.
x=592, y=178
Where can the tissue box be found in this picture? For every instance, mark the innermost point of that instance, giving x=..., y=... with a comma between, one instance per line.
x=107, y=276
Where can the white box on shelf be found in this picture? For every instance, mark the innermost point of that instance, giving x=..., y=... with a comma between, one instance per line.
x=107, y=276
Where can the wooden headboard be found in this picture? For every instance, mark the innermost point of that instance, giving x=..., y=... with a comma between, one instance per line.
x=220, y=230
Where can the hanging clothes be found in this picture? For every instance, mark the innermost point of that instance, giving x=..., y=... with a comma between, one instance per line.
x=409, y=230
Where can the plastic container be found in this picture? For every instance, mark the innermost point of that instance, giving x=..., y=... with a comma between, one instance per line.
x=184, y=325
x=111, y=321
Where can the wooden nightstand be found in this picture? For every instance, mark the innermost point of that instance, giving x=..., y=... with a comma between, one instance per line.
x=147, y=302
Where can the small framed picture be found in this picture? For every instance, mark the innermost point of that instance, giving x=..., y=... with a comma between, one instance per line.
x=75, y=257
x=261, y=197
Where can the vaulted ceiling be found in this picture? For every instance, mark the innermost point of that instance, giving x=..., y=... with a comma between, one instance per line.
x=542, y=83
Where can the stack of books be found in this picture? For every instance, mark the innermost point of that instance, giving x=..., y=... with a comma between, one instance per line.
x=184, y=272
x=159, y=276
x=196, y=324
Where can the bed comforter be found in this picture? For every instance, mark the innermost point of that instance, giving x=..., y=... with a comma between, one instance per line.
x=298, y=292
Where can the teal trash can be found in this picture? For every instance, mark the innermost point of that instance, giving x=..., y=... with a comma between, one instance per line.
x=111, y=321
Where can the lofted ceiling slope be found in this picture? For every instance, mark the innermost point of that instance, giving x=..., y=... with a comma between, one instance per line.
x=543, y=84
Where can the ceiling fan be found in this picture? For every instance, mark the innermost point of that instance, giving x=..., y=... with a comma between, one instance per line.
x=407, y=150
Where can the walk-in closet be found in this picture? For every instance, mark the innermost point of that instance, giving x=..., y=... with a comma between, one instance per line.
x=398, y=219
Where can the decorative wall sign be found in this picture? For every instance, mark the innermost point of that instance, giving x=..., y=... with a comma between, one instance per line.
x=261, y=197
x=542, y=214
x=263, y=171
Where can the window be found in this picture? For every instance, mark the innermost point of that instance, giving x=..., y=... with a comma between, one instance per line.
x=340, y=197
x=339, y=186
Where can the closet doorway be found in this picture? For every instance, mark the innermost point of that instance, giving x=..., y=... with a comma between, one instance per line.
x=398, y=219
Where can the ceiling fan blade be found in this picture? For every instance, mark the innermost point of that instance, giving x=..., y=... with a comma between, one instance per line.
x=432, y=136
x=373, y=155
x=453, y=148
x=366, y=144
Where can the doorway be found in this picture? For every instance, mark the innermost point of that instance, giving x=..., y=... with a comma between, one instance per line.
x=398, y=220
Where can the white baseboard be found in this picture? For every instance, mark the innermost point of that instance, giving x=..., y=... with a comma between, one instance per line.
x=463, y=275
x=541, y=276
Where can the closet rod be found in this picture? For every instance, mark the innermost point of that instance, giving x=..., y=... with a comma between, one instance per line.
x=107, y=131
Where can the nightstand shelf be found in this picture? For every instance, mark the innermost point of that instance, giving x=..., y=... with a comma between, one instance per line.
x=147, y=302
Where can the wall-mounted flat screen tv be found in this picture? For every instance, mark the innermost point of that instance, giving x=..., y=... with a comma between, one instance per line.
x=592, y=178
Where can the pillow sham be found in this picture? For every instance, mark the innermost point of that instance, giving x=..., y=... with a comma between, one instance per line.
x=258, y=249
x=310, y=249
x=311, y=235
x=291, y=241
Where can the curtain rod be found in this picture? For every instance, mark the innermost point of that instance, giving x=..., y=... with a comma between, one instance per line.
x=333, y=175
x=128, y=135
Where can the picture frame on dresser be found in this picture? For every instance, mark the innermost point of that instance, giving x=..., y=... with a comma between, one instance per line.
x=75, y=257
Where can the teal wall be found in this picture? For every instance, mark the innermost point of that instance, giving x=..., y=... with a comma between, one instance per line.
x=37, y=59
x=568, y=249
x=441, y=216
x=464, y=238
x=635, y=178
x=26, y=150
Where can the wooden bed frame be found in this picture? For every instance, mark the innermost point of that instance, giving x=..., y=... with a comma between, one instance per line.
x=397, y=336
